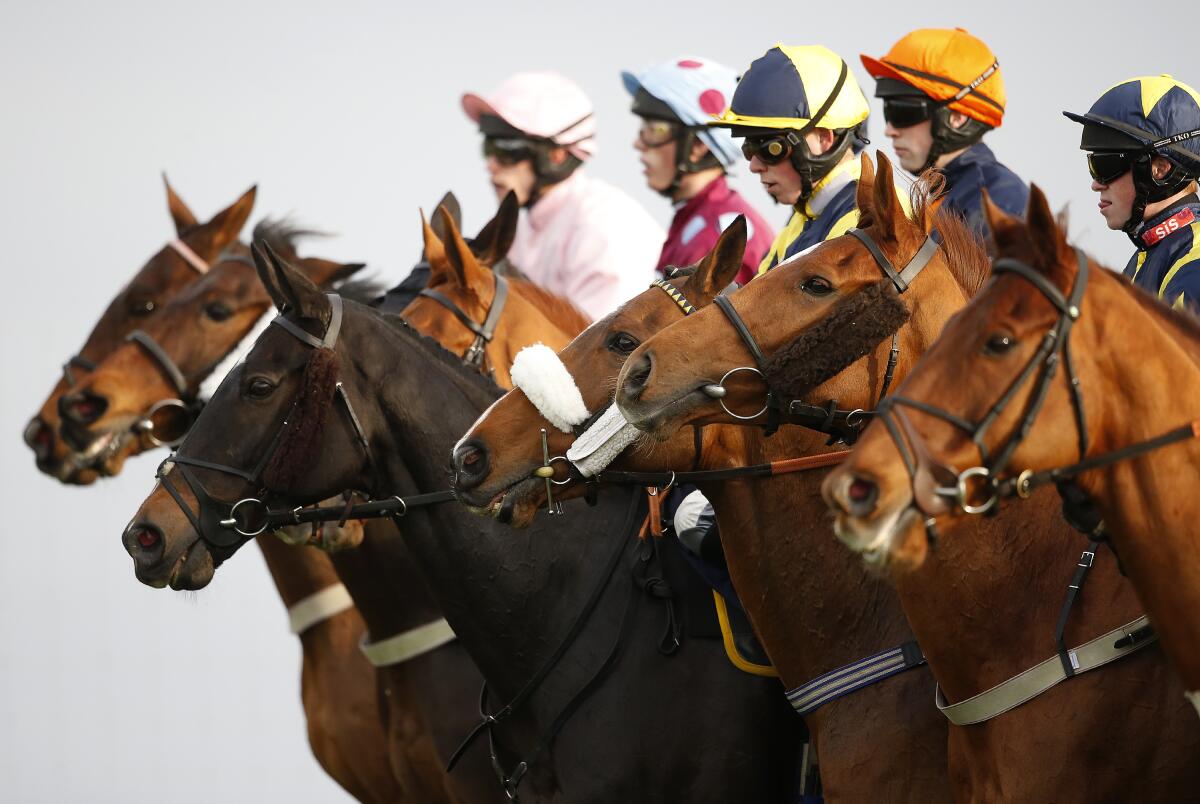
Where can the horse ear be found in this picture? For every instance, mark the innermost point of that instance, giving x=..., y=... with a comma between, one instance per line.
x=435, y=251
x=1006, y=230
x=865, y=199
x=226, y=225
x=721, y=265
x=466, y=270
x=302, y=295
x=266, y=275
x=449, y=202
x=182, y=216
x=496, y=237
x=327, y=272
x=887, y=209
x=1049, y=243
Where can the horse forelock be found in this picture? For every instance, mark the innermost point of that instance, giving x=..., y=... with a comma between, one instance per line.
x=298, y=446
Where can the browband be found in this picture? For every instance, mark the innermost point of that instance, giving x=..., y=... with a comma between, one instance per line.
x=190, y=257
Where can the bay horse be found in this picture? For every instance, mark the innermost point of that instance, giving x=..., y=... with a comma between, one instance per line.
x=814, y=610
x=610, y=718
x=174, y=266
x=986, y=606
x=194, y=333
x=1132, y=367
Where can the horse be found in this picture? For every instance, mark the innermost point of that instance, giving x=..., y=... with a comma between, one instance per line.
x=818, y=333
x=177, y=264
x=607, y=716
x=814, y=610
x=1125, y=354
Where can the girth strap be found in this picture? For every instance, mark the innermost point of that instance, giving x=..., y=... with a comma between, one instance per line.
x=169, y=366
x=807, y=698
x=407, y=645
x=1033, y=682
x=318, y=607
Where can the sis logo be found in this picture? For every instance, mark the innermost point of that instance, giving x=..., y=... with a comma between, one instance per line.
x=1171, y=224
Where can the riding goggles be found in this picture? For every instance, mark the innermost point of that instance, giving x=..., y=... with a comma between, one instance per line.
x=771, y=150
x=905, y=111
x=656, y=133
x=507, y=152
x=1108, y=166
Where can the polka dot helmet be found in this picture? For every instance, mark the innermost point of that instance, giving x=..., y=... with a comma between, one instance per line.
x=697, y=90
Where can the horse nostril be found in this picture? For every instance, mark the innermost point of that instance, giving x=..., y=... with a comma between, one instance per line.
x=142, y=538
x=638, y=376
x=147, y=538
x=82, y=407
x=862, y=494
x=39, y=437
x=471, y=463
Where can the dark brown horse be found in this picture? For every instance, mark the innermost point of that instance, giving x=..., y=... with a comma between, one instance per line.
x=1138, y=370
x=614, y=719
x=986, y=606
x=814, y=610
x=171, y=269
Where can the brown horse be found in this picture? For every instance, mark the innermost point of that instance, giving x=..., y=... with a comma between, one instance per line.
x=172, y=268
x=1134, y=360
x=986, y=608
x=814, y=610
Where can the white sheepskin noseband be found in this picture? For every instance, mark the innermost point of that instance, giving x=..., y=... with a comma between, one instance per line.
x=550, y=387
x=600, y=445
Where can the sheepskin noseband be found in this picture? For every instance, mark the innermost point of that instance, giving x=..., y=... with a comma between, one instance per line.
x=550, y=387
x=601, y=443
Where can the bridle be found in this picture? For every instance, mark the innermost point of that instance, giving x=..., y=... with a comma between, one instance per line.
x=938, y=488
x=224, y=525
x=476, y=353
x=842, y=425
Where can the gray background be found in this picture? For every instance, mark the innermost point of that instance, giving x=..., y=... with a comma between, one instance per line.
x=349, y=117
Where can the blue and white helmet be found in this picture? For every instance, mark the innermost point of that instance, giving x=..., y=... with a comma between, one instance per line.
x=696, y=90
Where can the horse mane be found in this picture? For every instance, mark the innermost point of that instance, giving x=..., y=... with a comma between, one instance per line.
x=556, y=308
x=283, y=233
x=966, y=253
x=447, y=358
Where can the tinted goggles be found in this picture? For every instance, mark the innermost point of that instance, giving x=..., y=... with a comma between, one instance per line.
x=507, y=152
x=904, y=111
x=1108, y=166
x=770, y=150
x=656, y=133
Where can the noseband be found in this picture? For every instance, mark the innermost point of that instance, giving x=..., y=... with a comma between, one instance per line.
x=841, y=425
x=476, y=352
x=224, y=525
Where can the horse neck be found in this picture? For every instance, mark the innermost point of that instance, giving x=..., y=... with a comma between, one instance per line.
x=530, y=317
x=814, y=605
x=508, y=594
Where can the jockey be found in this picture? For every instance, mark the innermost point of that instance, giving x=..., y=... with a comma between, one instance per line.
x=686, y=161
x=942, y=92
x=1143, y=143
x=802, y=118
x=578, y=237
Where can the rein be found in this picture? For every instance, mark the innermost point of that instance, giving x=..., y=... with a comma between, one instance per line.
x=476, y=352
x=841, y=425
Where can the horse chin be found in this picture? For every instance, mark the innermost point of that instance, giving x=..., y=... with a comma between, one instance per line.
x=517, y=505
x=887, y=542
x=192, y=568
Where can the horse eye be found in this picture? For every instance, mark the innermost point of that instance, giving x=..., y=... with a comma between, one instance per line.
x=259, y=388
x=817, y=286
x=622, y=343
x=141, y=307
x=999, y=344
x=217, y=311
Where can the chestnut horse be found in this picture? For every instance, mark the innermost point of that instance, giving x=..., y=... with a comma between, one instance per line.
x=1134, y=359
x=195, y=332
x=172, y=268
x=985, y=608
x=814, y=610
x=612, y=718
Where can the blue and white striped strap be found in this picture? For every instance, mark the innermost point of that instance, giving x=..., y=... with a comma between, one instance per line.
x=853, y=677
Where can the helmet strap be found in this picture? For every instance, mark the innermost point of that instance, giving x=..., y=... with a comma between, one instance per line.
x=683, y=161
x=1148, y=190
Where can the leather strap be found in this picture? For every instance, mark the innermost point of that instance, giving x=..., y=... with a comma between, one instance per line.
x=904, y=277
x=318, y=607
x=331, y=332
x=726, y=307
x=190, y=257
x=1033, y=682
x=169, y=367
x=407, y=645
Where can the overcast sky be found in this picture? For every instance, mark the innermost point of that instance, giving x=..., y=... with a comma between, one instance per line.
x=347, y=115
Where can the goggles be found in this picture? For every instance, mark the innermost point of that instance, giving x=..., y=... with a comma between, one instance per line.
x=507, y=152
x=905, y=111
x=656, y=133
x=167, y=422
x=1108, y=166
x=771, y=150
